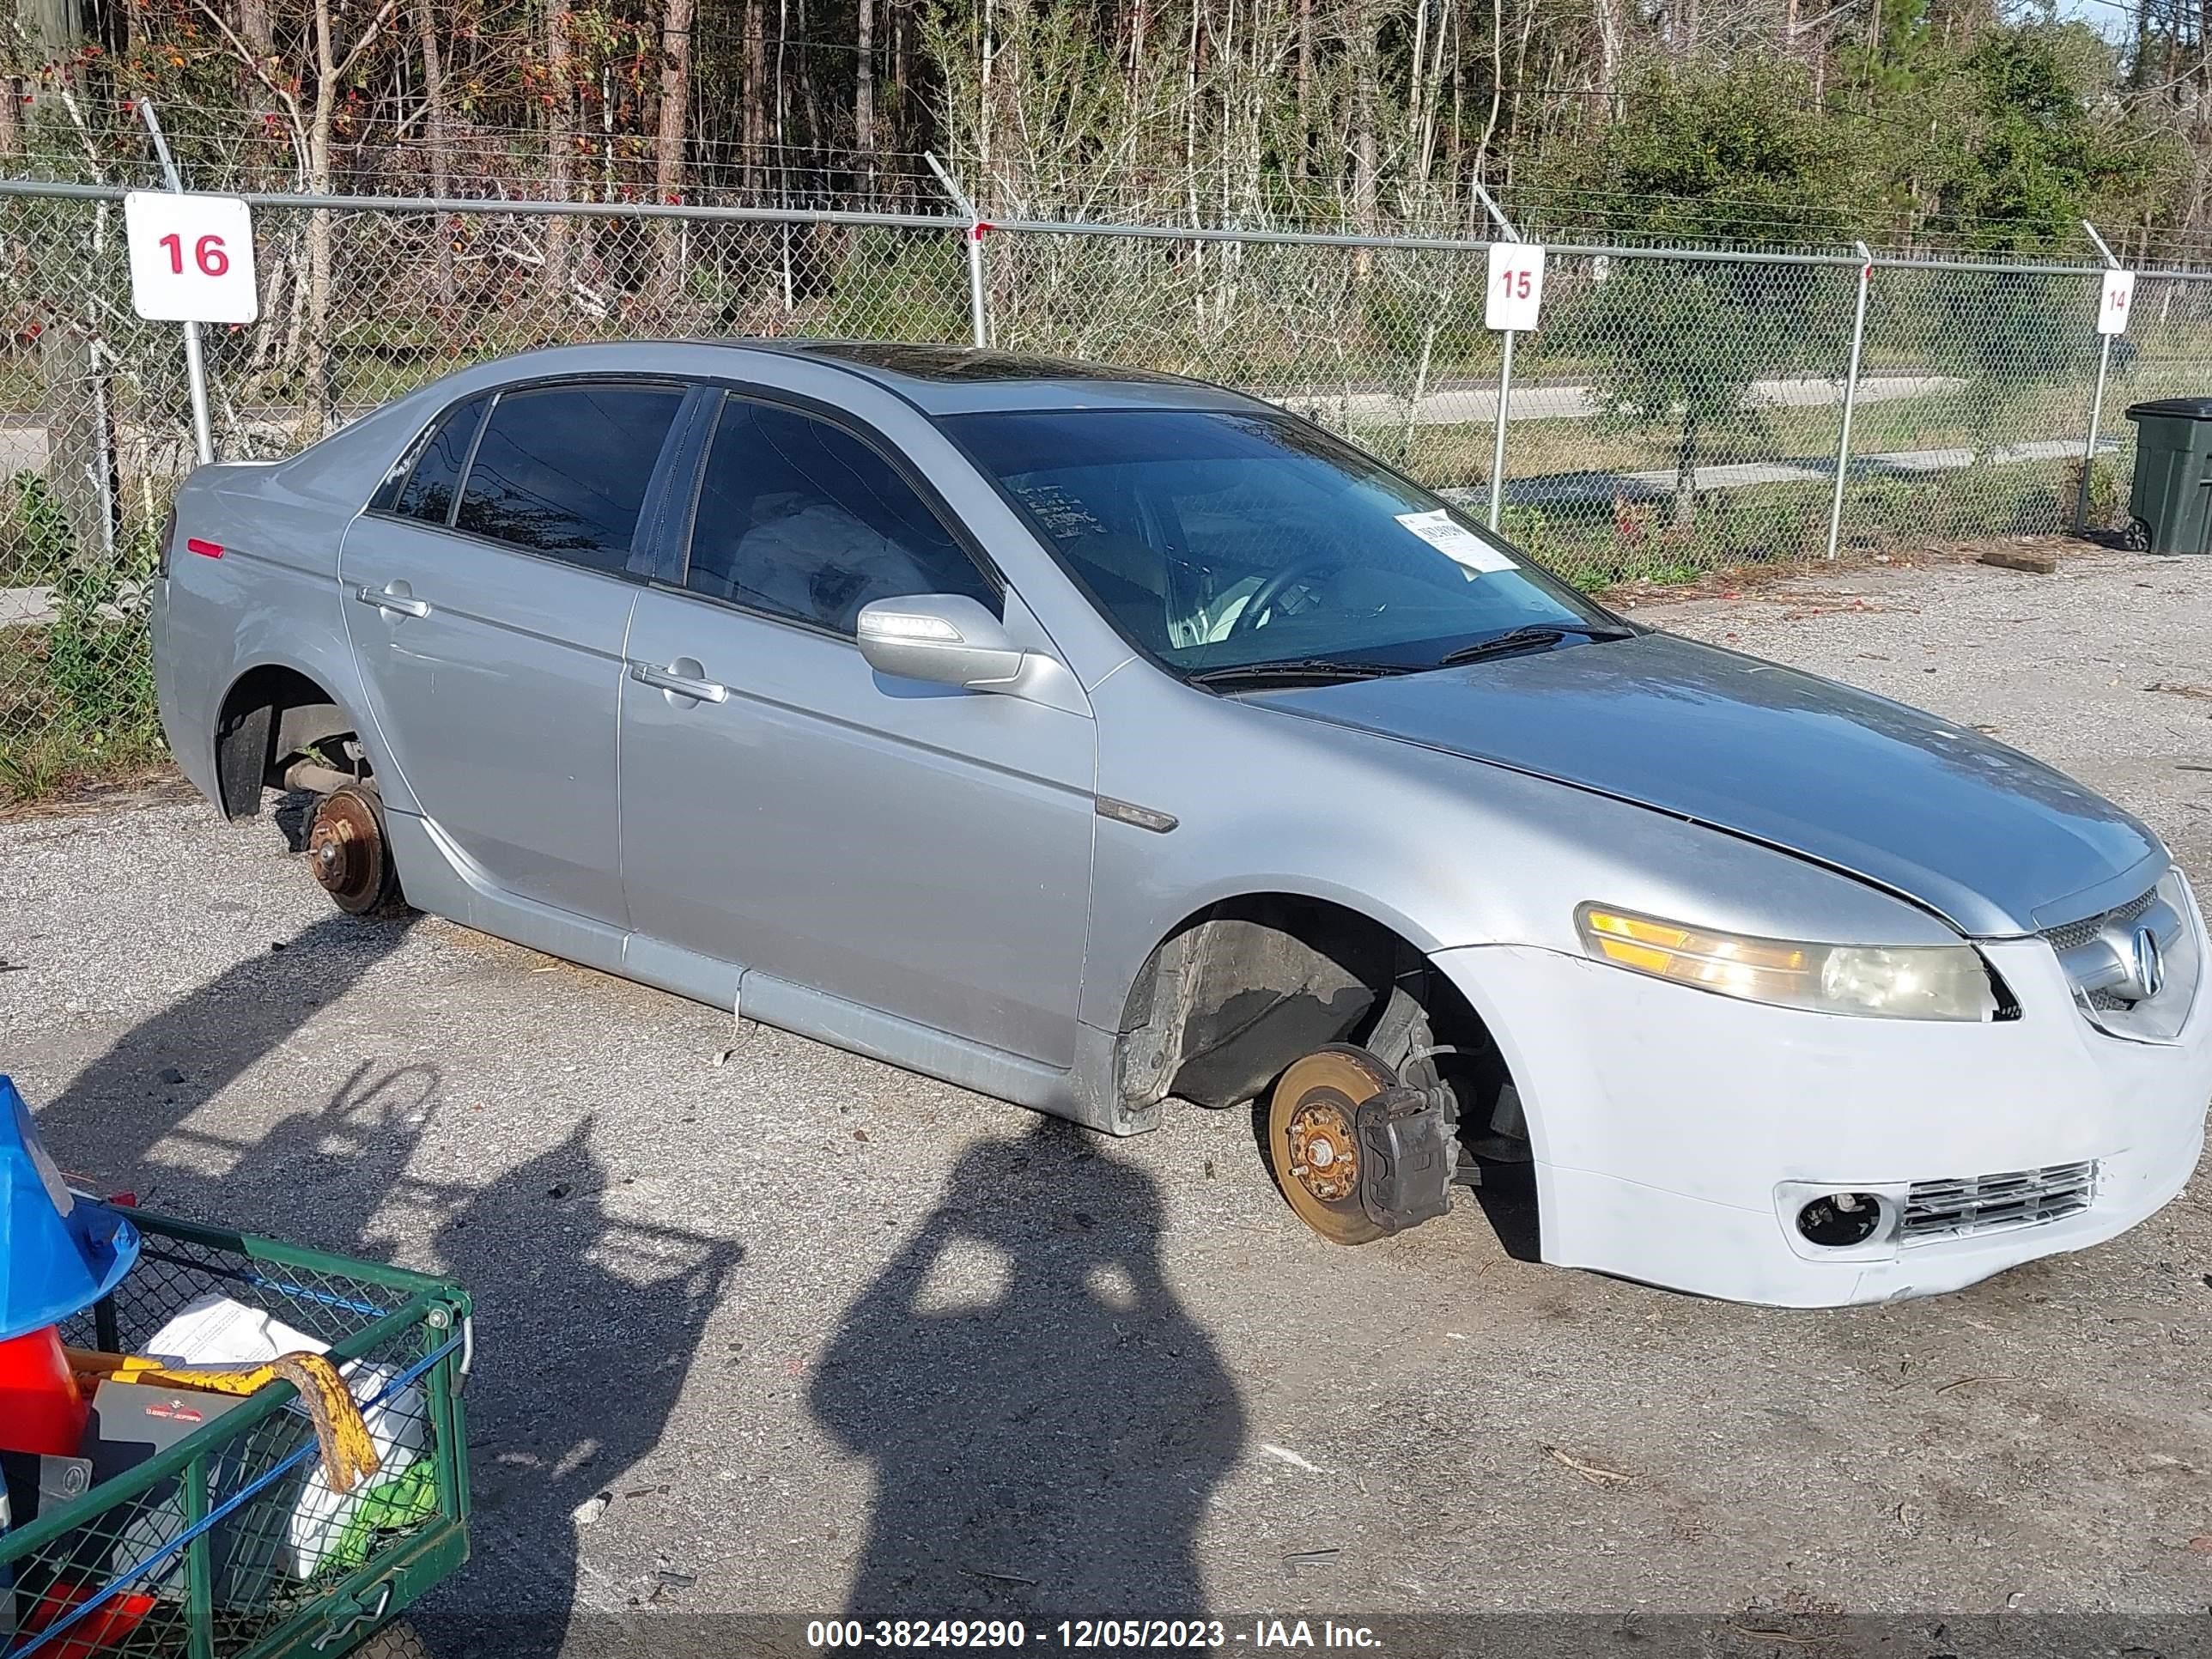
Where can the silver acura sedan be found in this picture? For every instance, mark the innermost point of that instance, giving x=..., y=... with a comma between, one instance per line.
x=1099, y=740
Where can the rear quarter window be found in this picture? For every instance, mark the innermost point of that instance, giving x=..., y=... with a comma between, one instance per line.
x=428, y=493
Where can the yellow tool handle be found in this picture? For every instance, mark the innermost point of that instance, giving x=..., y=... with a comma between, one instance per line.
x=348, y=1452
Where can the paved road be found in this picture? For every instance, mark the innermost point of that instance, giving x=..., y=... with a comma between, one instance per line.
x=1656, y=482
x=809, y=1319
x=1464, y=403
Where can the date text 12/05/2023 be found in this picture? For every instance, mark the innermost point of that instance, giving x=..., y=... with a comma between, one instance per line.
x=1077, y=1635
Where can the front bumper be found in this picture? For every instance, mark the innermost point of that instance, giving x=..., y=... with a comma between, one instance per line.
x=1668, y=1123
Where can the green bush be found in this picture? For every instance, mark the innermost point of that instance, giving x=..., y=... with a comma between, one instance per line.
x=35, y=543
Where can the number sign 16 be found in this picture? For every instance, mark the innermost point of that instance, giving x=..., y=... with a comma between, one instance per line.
x=207, y=254
x=1516, y=286
x=192, y=257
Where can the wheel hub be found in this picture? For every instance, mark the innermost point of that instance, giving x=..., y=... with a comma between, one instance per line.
x=1324, y=1151
x=1313, y=1138
x=344, y=849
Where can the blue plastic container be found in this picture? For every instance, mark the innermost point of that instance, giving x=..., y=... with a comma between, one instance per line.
x=59, y=1253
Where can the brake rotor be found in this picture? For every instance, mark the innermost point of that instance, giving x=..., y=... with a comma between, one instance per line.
x=346, y=851
x=1313, y=1140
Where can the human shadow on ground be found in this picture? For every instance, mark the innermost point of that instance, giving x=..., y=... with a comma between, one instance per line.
x=153, y=1077
x=1047, y=1422
x=591, y=1320
x=598, y=1318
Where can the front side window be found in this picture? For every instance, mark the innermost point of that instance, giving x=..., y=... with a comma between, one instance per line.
x=800, y=519
x=563, y=470
x=429, y=492
x=1216, y=539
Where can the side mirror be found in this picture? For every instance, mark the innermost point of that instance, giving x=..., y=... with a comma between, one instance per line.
x=947, y=639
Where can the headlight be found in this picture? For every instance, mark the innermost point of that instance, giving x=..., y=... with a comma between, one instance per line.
x=1898, y=981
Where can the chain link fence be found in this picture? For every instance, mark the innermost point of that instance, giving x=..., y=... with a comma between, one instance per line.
x=1679, y=411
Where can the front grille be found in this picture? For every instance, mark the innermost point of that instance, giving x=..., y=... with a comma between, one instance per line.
x=1996, y=1203
x=2074, y=934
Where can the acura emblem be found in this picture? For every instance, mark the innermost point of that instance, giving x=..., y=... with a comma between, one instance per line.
x=2149, y=965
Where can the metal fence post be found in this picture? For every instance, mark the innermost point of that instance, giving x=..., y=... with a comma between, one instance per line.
x=979, y=321
x=1851, y=400
x=195, y=366
x=1504, y=374
x=1497, y=442
x=2097, y=404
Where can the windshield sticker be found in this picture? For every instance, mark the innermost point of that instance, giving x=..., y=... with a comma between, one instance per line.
x=1454, y=540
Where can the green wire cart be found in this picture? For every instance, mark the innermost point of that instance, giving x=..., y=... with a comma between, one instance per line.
x=228, y=1544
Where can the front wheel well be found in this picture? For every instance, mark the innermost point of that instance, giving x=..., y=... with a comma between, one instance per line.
x=272, y=719
x=1243, y=988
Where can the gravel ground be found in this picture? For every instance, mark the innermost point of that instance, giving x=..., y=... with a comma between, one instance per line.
x=821, y=1328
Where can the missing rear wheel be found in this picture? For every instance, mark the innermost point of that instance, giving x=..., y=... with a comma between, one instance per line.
x=349, y=853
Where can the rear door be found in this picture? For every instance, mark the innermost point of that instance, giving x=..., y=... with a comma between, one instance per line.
x=921, y=851
x=488, y=605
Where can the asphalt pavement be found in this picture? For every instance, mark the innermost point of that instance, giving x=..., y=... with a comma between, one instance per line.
x=818, y=1330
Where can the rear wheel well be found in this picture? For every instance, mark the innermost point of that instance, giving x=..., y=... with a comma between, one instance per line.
x=272, y=720
x=1243, y=988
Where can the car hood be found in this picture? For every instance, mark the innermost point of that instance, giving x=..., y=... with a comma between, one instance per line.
x=1993, y=841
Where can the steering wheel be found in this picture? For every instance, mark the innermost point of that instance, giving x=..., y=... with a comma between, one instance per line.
x=1264, y=596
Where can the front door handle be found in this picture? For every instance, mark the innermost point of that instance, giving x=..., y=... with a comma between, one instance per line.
x=676, y=678
x=395, y=598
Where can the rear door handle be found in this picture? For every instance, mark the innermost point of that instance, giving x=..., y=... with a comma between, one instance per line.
x=683, y=685
x=395, y=598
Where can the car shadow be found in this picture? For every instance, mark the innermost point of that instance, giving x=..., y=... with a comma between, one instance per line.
x=1046, y=1421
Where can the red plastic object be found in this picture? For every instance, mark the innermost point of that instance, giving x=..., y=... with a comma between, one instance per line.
x=41, y=1412
x=98, y=1631
x=209, y=550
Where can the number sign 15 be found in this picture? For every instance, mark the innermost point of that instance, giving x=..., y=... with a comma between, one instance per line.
x=1516, y=286
x=192, y=257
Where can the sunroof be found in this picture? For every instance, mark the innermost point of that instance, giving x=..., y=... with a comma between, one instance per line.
x=950, y=364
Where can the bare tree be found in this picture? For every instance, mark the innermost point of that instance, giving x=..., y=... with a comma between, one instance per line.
x=755, y=94
x=560, y=144
x=80, y=420
x=863, y=89
x=330, y=72
x=1611, y=17
x=1366, y=48
x=436, y=139
x=668, y=159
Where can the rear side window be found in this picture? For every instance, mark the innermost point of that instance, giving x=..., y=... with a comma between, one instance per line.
x=800, y=519
x=563, y=470
x=429, y=492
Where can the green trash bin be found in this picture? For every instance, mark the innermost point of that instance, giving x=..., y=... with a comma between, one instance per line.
x=2171, y=502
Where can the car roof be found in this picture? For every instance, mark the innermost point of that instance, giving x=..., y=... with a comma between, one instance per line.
x=949, y=379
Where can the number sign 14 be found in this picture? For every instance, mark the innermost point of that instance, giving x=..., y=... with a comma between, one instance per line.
x=1516, y=286
x=192, y=257
x=2112, y=304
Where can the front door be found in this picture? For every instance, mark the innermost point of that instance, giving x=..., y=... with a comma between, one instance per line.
x=922, y=851
x=487, y=608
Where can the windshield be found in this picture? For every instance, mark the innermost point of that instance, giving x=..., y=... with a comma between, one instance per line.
x=1216, y=539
